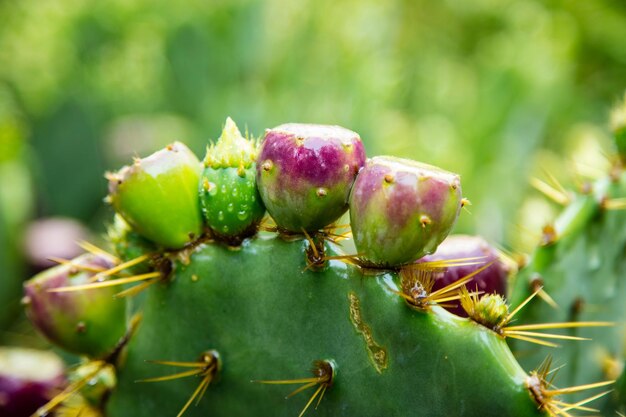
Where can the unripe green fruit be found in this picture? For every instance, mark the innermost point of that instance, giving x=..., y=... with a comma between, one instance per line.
x=158, y=196
x=231, y=204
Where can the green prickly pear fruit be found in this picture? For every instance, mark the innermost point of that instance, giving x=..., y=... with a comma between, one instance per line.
x=491, y=280
x=158, y=196
x=618, y=126
x=400, y=210
x=305, y=173
x=231, y=204
x=89, y=322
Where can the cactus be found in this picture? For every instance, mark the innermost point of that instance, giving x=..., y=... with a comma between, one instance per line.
x=228, y=319
x=579, y=265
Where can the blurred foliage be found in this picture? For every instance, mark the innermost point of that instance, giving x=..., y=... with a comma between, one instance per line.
x=16, y=201
x=475, y=87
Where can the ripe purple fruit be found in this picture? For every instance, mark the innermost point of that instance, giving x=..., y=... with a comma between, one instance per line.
x=492, y=280
x=305, y=173
x=400, y=210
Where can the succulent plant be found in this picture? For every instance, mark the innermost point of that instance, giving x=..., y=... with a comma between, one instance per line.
x=232, y=315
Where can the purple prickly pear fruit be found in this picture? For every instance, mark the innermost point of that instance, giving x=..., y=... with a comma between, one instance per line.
x=400, y=210
x=89, y=321
x=492, y=280
x=28, y=380
x=158, y=196
x=305, y=173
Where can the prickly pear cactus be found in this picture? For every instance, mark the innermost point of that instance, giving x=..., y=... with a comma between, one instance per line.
x=274, y=318
x=580, y=268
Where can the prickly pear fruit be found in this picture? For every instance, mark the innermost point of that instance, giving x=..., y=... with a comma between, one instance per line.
x=305, y=173
x=400, y=210
x=158, y=196
x=89, y=322
x=28, y=379
x=491, y=280
x=231, y=204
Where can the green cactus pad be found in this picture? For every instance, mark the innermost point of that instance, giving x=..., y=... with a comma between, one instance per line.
x=158, y=196
x=582, y=268
x=269, y=320
x=231, y=203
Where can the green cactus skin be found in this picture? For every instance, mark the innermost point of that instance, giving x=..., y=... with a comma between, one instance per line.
x=90, y=322
x=305, y=173
x=158, y=196
x=581, y=265
x=620, y=391
x=400, y=210
x=231, y=204
x=270, y=320
x=128, y=244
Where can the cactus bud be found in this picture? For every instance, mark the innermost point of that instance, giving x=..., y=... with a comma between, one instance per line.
x=492, y=280
x=28, y=380
x=231, y=203
x=401, y=210
x=490, y=310
x=158, y=196
x=89, y=322
x=618, y=126
x=129, y=244
x=100, y=381
x=305, y=173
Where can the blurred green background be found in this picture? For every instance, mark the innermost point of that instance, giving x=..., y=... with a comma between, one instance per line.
x=494, y=90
